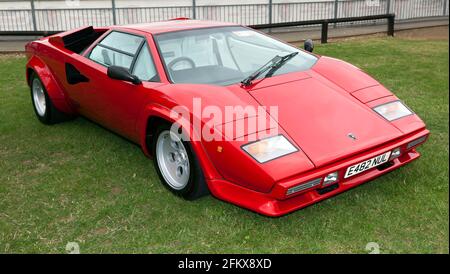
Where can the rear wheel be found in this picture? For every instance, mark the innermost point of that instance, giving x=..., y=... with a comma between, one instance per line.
x=43, y=106
x=177, y=165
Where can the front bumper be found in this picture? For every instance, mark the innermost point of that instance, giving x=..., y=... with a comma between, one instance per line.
x=276, y=203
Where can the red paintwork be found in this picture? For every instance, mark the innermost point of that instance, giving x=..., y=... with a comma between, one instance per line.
x=317, y=109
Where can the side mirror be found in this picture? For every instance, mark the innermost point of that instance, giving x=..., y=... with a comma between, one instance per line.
x=121, y=73
x=309, y=45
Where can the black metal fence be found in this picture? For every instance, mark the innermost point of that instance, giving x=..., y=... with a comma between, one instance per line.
x=325, y=22
x=58, y=19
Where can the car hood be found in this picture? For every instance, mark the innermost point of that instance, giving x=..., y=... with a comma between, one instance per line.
x=320, y=115
x=343, y=74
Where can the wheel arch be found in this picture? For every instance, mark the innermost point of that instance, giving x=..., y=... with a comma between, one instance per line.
x=153, y=115
x=29, y=72
x=37, y=66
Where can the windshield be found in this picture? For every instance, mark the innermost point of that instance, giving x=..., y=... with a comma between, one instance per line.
x=224, y=56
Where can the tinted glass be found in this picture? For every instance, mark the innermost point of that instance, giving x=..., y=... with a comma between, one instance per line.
x=116, y=49
x=123, y=41
x=144, y=67
x=109, y=57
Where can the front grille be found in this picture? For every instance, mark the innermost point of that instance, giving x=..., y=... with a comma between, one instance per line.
x=385, y=165
x=327, y=189
x=304, y=186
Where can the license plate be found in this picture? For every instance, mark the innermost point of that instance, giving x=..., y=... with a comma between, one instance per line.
x=367, y=164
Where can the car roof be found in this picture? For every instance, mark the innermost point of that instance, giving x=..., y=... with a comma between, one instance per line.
x=175, y=25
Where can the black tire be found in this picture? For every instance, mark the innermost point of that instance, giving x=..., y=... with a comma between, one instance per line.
x=196, y=186
x=51, y=114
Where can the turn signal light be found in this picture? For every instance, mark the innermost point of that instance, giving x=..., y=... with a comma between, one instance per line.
x=304, y=186
x=416, y=142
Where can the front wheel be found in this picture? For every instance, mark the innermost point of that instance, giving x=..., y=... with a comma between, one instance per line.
x=177, y=165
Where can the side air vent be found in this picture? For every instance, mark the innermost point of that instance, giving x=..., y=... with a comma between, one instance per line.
x=73, y=76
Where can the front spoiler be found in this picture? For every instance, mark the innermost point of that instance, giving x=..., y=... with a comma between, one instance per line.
x=276, y=203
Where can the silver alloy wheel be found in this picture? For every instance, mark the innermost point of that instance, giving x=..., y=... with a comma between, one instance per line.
x=39, y=97
x=172, y=159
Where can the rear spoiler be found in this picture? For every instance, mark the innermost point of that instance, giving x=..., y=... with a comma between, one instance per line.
x=74, y=40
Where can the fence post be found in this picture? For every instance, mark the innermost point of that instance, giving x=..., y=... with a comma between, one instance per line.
x=388, y=6
x=113, y=5
x=444, y=12
x=391, y=22
x=194, y=7
x=336, y=6
x=270, y=11
x=33, y=15
x=324, y=36
x=270, y=6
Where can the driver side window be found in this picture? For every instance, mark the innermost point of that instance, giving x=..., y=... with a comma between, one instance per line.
x=126, y=50
x=117, y=49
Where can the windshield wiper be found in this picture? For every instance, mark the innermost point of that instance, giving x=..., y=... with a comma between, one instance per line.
x=273, y=65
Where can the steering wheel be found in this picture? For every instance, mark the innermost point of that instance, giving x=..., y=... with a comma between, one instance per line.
x=172, y=63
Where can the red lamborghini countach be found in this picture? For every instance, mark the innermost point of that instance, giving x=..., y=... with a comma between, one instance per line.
x=224, y=109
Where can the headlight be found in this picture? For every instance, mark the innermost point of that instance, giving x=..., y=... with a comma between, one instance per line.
x=270, y=148
x=393, y=110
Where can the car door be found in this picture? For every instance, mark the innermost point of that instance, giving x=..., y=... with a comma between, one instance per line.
x=113, y=103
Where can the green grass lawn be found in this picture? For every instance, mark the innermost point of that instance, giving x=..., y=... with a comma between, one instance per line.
x=77, y=182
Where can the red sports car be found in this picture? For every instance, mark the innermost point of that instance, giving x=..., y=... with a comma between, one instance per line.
x=227, y=110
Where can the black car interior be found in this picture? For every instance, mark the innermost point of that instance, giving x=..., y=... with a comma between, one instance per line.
x=82, y=39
